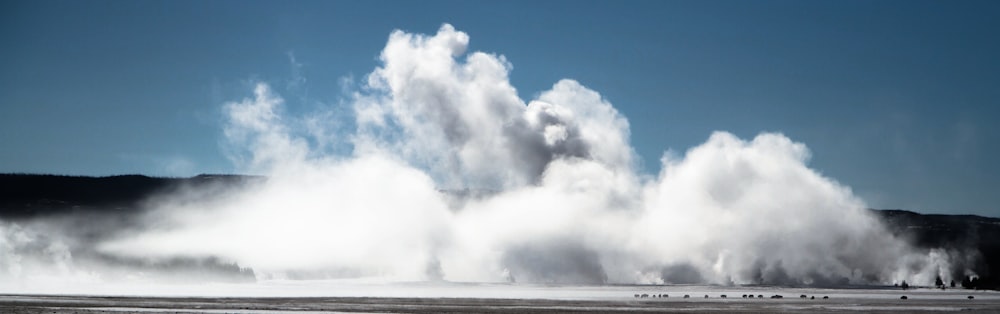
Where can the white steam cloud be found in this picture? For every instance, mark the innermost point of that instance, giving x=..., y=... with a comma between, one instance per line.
x=453, y=176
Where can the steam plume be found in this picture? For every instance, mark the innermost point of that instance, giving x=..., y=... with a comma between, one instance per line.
x=453, y=176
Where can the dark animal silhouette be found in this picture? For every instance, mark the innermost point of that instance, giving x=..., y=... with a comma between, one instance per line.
x=903, y=297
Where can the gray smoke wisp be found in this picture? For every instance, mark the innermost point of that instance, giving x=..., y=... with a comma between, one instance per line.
x=454, y=177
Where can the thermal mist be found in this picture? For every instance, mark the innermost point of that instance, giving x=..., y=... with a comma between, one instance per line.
x=452, y=176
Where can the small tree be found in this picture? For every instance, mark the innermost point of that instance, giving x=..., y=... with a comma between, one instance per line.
x=970, y=282
x=905, y=285
x=938, y=282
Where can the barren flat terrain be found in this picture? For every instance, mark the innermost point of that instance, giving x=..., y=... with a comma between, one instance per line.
x=550, y=300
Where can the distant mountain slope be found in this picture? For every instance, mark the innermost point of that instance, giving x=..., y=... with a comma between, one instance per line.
x=935, y=230
x=977, y=238
x=30, y=195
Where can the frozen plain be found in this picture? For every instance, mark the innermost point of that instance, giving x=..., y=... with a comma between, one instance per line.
x=339, y=296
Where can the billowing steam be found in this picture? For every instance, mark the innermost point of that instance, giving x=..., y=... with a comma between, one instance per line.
x=454, y=177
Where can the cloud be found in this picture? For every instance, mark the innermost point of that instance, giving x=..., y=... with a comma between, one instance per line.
x=298, y=78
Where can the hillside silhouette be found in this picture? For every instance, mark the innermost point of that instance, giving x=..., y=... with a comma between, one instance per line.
x=31, y=195
x=977, y=238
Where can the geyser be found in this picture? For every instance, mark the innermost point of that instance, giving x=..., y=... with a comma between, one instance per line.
x=452, y=176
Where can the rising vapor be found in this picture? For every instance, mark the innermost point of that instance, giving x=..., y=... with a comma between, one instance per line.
x=454, y=177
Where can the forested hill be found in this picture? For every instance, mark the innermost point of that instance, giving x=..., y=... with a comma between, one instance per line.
x=25, y=196
x=972, y=241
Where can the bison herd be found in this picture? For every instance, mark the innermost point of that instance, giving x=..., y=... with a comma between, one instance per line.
x=748, y=296
x=723, y=296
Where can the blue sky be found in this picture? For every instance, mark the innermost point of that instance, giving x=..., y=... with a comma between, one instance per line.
x=896, y=99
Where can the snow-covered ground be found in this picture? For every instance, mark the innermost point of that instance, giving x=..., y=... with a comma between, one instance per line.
x=423, y=297
x=340, y=288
